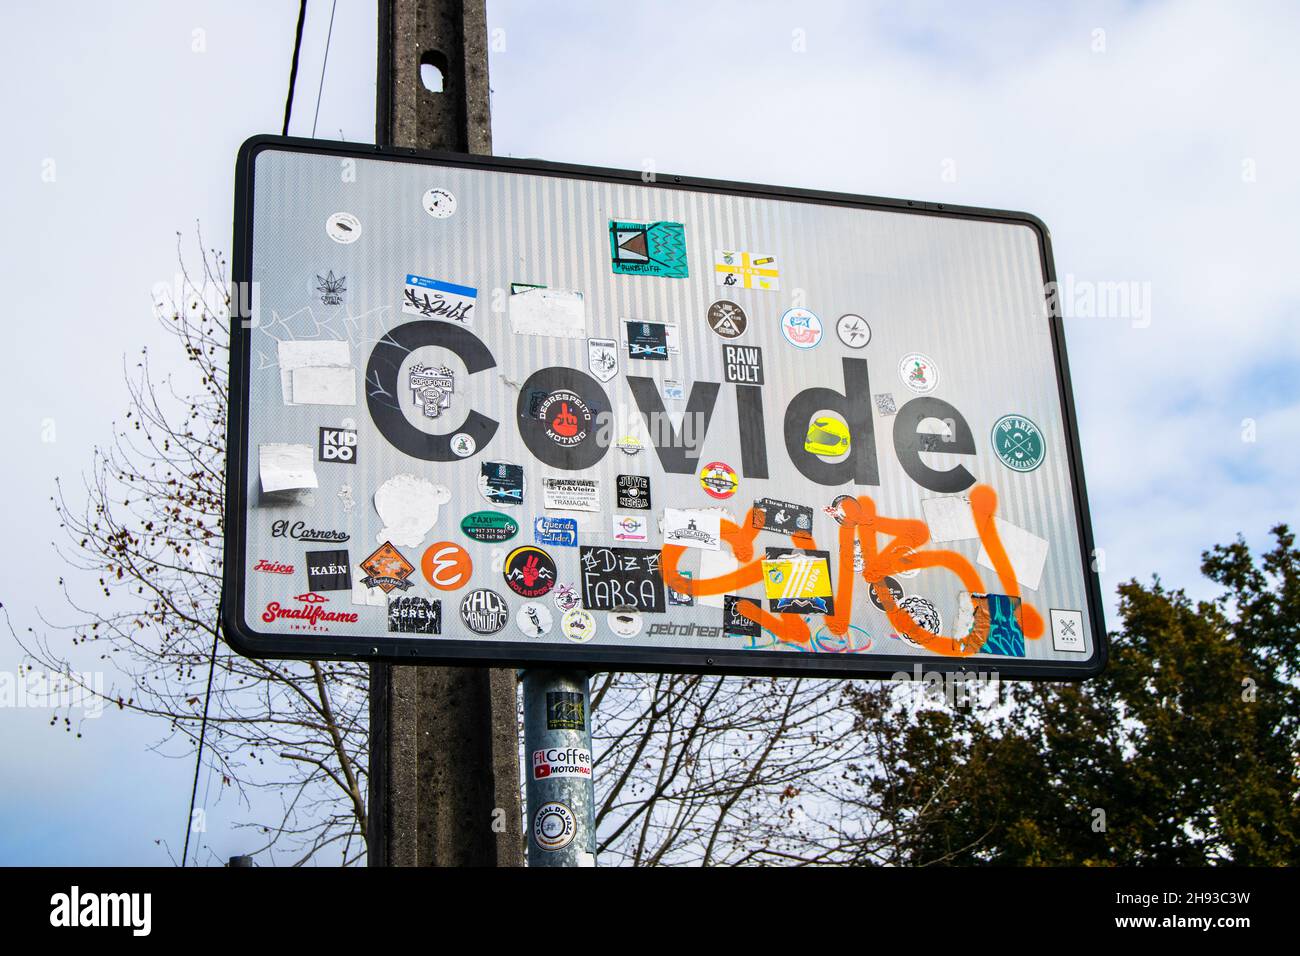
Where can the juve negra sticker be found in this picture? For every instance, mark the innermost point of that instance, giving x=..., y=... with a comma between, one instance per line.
x=338, y=444
x=328, y=571
x=501, y=483
x=437, y=299
x=529, y=571
x=484, y=611
x=414, y=615
x=782, y=516
x=489, y=527
x=742, y=364
x=615, y=579
x=565, y=710
x=733, y=622
x=633, y=491
x=647, y=340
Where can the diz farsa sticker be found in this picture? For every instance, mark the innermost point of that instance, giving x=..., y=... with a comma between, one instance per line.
x=529, y=571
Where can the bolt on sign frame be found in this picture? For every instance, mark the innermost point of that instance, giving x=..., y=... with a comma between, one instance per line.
x=510, y=412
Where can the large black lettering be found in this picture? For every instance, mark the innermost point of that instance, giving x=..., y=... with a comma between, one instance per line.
x=909, y=443
x=384, y=394
x=674, y=456
x=860, y=466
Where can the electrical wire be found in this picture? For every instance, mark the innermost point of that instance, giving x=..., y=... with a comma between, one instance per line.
x=328, y=36
x=198, y=757
x=293, y=67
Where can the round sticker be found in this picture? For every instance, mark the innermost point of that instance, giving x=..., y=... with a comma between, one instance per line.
x=923, y=612
x=918, y=372
x=727, y=319
x=853, y=330
x=534, y=619
x=578, y=625
x=554, y=826
x=343, y=227
x=463, y=445
x=801, y=328
x=895, y=591
x=565, y=417
x=625, y=623
x=439, y=203
x=719, y=480
x=836, y=509
x=484, y=611
x=565, y=597
x=446, y=565
x=1018, y=443
x=529, y=571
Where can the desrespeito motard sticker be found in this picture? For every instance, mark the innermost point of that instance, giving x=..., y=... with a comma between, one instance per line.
x=1018, y=443
x=918, y=372
x=439, y=203
x=853, y=330
x=554, y=826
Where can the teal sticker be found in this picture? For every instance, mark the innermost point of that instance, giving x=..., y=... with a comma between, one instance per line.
x=1004, y=634
x=1018, y=443
x=489, y=526
x=648, y=249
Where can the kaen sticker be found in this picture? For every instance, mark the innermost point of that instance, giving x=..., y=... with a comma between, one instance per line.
x=501, y=482
x=565, y=710
x=337, y=445
x=571, y=494
x=718, y=479
x=447, y=566
x=431, y=388
x=735, y=623
x=727, y=319
x=742, y=364
x=648, y=341
x=692, y=529
x=436, y=299
x=328, y=571
x=648, y=249
x=414, y=615
x=801, y=328
x=782, y=516
x=633, y=491
x=798, y=581
x=853, y=330
x=387, y=570
x=489, y=527
x=534, y=619
x=1018, y=443
x=918, y=372
x=484, y=611
x=621, y=579
x=555, y=532
x=529, y=571
x=997, y=617
x=746, y=270
x=602, y=358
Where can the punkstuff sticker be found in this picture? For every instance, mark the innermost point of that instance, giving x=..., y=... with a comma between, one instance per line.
x=648, y=249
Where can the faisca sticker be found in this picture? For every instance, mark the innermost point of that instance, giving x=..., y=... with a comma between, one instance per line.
x=648, y=249
x=602, y=358
x=436, y=299
x=718, y=479
x=798, y=582
x=746, y=270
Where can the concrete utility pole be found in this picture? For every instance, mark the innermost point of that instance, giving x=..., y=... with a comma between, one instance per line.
x=444, y=741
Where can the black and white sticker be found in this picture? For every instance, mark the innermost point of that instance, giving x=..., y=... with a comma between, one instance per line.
x=328, y=571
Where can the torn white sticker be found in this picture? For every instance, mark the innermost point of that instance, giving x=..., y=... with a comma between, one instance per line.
x=324, y=386
x=555, y=312
x=949, y=518
x=296, y=356
x=364, y=596
x=285, y=467
x=692, y=528
x=408, y=506
x=1026, y=551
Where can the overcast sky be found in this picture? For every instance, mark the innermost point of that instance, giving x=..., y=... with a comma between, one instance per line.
x=1153, y=138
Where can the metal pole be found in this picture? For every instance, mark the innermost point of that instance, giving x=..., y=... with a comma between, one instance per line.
x=561, y=819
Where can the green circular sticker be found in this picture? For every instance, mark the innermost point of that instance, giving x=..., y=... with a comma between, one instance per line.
x=1018, y=443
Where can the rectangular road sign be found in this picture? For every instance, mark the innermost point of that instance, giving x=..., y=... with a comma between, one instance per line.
x=502, y=411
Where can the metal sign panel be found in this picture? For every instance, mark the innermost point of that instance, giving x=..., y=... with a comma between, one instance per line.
x=504, y=411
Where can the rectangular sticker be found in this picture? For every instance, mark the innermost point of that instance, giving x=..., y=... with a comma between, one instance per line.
x=621, y=579
x=949, y=518
x=633, y=491
x=1067, y=630
x=782, y=516
x=558, y=313
x=414, y=615
x=502, y=483
x=562, y=762
x=648, y=249
x=647, y=340
x=557, y=532
x=680, y=598
x=1026, y=551
x=436, y=299
x=997, y=617
x=328, y=571
x=631, y=528
x=285, y=468
x=746, y=270
x=733, y=622
x=798, y=581
x=692, y=529
x=742, y=364
x=571, y=494
x=316, y=372
x=565, y=710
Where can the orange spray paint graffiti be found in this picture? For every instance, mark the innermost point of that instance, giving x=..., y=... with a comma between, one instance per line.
x=902, y=552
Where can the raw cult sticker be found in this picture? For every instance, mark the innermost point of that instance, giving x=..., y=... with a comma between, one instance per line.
x=742, y=364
